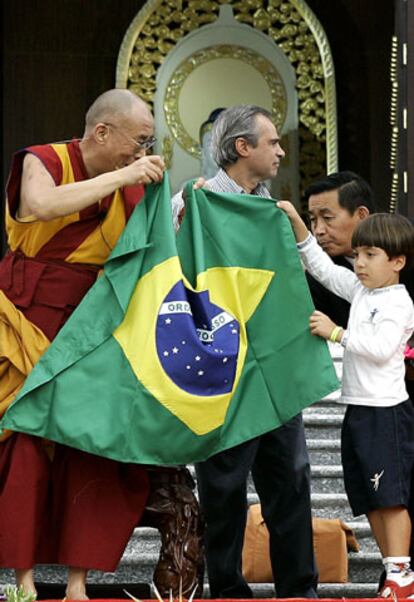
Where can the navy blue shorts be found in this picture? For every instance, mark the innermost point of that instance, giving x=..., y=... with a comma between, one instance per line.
x=377, y=447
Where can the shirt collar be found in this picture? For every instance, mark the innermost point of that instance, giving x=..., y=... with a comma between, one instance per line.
x=227, y=183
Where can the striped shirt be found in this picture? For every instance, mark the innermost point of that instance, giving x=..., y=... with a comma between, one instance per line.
x=220, y=183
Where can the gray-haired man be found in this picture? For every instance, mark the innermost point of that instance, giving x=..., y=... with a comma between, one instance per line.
x=246, y=147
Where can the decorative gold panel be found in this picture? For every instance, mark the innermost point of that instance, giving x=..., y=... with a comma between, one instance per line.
x=218, y=52
x=394, y=125
x=291, y=24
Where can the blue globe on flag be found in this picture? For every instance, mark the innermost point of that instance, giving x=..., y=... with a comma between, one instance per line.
x=197, y=342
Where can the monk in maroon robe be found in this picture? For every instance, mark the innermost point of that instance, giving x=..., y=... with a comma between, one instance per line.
x=67, y=204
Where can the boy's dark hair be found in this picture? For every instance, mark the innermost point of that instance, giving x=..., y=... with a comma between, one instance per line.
x=353, y=191
x=388, y=231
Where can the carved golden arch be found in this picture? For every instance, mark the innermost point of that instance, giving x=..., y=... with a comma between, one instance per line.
x=291, y=24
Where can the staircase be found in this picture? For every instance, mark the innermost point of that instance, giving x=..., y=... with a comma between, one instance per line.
x=322, y=424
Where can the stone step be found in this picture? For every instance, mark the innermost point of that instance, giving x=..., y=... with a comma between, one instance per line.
x=361, y=529
x=312, y=419
x=325, y=590
x=327, y=450
x=322, y=471
x=364, y=567
x=266, y=590
x=325, y=478
x=324, y=444
x=322, y=426
x=260, y=590
x=325, y=457
x=147, y=539
x=149, y=558
x=324, y=451
x=319, y=500
x=324, y=505
x=363, y=534
x=330, y=447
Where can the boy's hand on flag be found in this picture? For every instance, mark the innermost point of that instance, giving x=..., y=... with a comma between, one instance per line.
x=299, y=227
x=321, y=325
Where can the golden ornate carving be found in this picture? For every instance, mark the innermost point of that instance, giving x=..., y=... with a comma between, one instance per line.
x=292, y=25
x=284, y=143
x=167, y=151
x=177, y=81
x=394, y=125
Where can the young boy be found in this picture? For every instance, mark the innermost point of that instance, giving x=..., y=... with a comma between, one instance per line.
x=378, y=428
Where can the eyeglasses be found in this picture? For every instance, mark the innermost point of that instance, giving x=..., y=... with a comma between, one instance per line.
x=144, y=145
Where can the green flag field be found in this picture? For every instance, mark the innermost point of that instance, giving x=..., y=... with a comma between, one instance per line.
x=186, y=345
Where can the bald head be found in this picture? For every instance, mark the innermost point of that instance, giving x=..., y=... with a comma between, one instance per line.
x=116, y=104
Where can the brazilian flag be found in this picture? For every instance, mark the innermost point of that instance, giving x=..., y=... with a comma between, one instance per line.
x=184, y=346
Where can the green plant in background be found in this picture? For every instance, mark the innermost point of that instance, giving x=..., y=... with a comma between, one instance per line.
x=17, y=594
